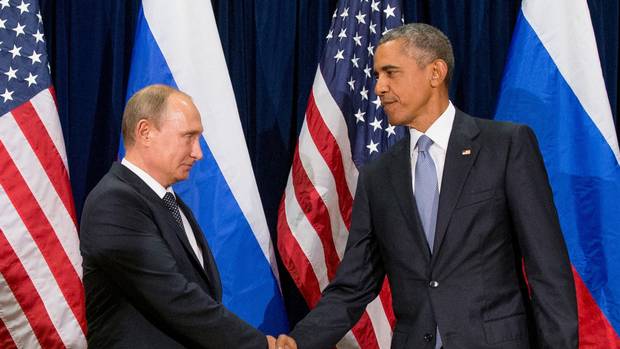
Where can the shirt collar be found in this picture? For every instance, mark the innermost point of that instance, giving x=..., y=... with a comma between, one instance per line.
x=439, y=131
x=146, y=178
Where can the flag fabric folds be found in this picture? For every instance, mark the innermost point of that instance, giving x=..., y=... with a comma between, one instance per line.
x=344, y=127
x=41, y=293
x=178, y=45
x=553, y=82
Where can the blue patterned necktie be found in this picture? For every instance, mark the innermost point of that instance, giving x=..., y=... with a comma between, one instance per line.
x=427, y=196
x=426, y=192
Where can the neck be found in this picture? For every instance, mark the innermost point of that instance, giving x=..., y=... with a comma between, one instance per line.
x=138, y=159
x=433, y=109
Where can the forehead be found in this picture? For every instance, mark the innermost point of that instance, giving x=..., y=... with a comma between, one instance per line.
x=392, y=53
x=181, y=110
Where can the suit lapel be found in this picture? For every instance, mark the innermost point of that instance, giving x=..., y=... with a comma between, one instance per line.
x=460, y=156
x=162, y=214
x=210, y=267
x=400, y=178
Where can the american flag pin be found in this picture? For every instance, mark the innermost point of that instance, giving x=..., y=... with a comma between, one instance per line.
x=466, y=152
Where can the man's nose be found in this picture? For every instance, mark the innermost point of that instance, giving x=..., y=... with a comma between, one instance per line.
x=196, y=150
x=380, y=86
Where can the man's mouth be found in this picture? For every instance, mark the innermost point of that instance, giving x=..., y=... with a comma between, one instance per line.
x=387, y=102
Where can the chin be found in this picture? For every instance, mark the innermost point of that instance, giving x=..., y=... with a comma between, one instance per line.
x=396, y=121
x=182, y=176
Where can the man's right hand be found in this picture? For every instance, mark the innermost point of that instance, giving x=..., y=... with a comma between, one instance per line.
x=285, y=342
x=271, y=342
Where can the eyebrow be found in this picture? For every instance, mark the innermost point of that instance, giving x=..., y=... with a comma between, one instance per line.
x=192, y=132
x=387, y=67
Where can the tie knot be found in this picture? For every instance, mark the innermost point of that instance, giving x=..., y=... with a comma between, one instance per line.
x=170, y=200
x=424, y=142
x=171, y=204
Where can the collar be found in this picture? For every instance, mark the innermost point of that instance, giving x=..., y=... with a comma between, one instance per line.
x=146, y=178
x=439, y=131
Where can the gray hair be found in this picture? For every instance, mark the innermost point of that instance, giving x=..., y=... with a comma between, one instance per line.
x=149, y=103
x=429, y=41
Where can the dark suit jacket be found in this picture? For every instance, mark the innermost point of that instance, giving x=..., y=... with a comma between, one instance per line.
x=144, y=286
x=495, y=210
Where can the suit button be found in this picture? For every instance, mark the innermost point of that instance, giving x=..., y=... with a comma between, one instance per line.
x=428, y=337
x=433, y=284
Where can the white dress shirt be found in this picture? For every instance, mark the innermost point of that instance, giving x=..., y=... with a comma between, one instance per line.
x=439, y=133
x=161, y=191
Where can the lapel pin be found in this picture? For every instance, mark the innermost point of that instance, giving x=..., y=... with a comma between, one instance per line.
x=466, y=152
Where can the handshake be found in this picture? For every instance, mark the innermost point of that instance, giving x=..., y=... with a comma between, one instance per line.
x=283, y=342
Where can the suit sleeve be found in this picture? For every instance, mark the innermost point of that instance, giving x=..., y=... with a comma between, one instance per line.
x=541, y=243
x=121, y=238
x=357, y=282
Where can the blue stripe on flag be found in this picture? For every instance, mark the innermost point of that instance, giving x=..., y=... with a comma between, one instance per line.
x=148, y=65
x=583, y=170
x=250, y=288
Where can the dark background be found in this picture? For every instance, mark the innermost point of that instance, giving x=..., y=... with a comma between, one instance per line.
x=272, y=49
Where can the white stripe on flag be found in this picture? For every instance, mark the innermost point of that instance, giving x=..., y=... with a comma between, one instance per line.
x=216, y=102
x=14, y=318
x=305, y=235
x=42, y=189
x=323, y=182
x=581, y=71
x=43, y=103
x=332, y=115
x=39, y=273
x=380, y=323
x=348, y=342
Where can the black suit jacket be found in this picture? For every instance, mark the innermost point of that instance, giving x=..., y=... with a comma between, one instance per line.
x=145, y=288
x=495, y=210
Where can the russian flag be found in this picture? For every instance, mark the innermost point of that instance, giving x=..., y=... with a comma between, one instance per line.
x=553, y=82
x=177, y=44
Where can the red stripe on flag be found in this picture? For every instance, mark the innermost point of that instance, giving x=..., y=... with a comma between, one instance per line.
x=300, y=269
x=53, y=93
x=328, y=147
x=595, y=331
x=44, y=236
x=41, y=143
x=364, y=333
x=316, y=211
x=27, y=296
x=386, y=301
x=6, y=341
x=296, y=261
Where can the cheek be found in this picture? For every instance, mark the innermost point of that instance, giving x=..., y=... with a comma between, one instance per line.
x=411, y=95
x=399, y=90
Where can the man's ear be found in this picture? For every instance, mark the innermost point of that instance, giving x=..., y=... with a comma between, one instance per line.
x=144, y=130
x=439, y=72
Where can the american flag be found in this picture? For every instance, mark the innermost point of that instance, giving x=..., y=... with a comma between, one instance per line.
x=41, y=294
x=344, y=128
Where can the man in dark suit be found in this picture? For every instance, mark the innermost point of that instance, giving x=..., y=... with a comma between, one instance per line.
x=150, y=278
x=454, y=215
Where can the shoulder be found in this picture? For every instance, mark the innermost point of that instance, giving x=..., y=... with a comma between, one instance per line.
x=114, y=209
x=494, y=126
x=115, y=198
x=494, y=131
x=110, y=189
x=397, y=152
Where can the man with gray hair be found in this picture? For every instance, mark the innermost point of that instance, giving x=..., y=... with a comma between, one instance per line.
x=454, y=215
x=149, y=275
